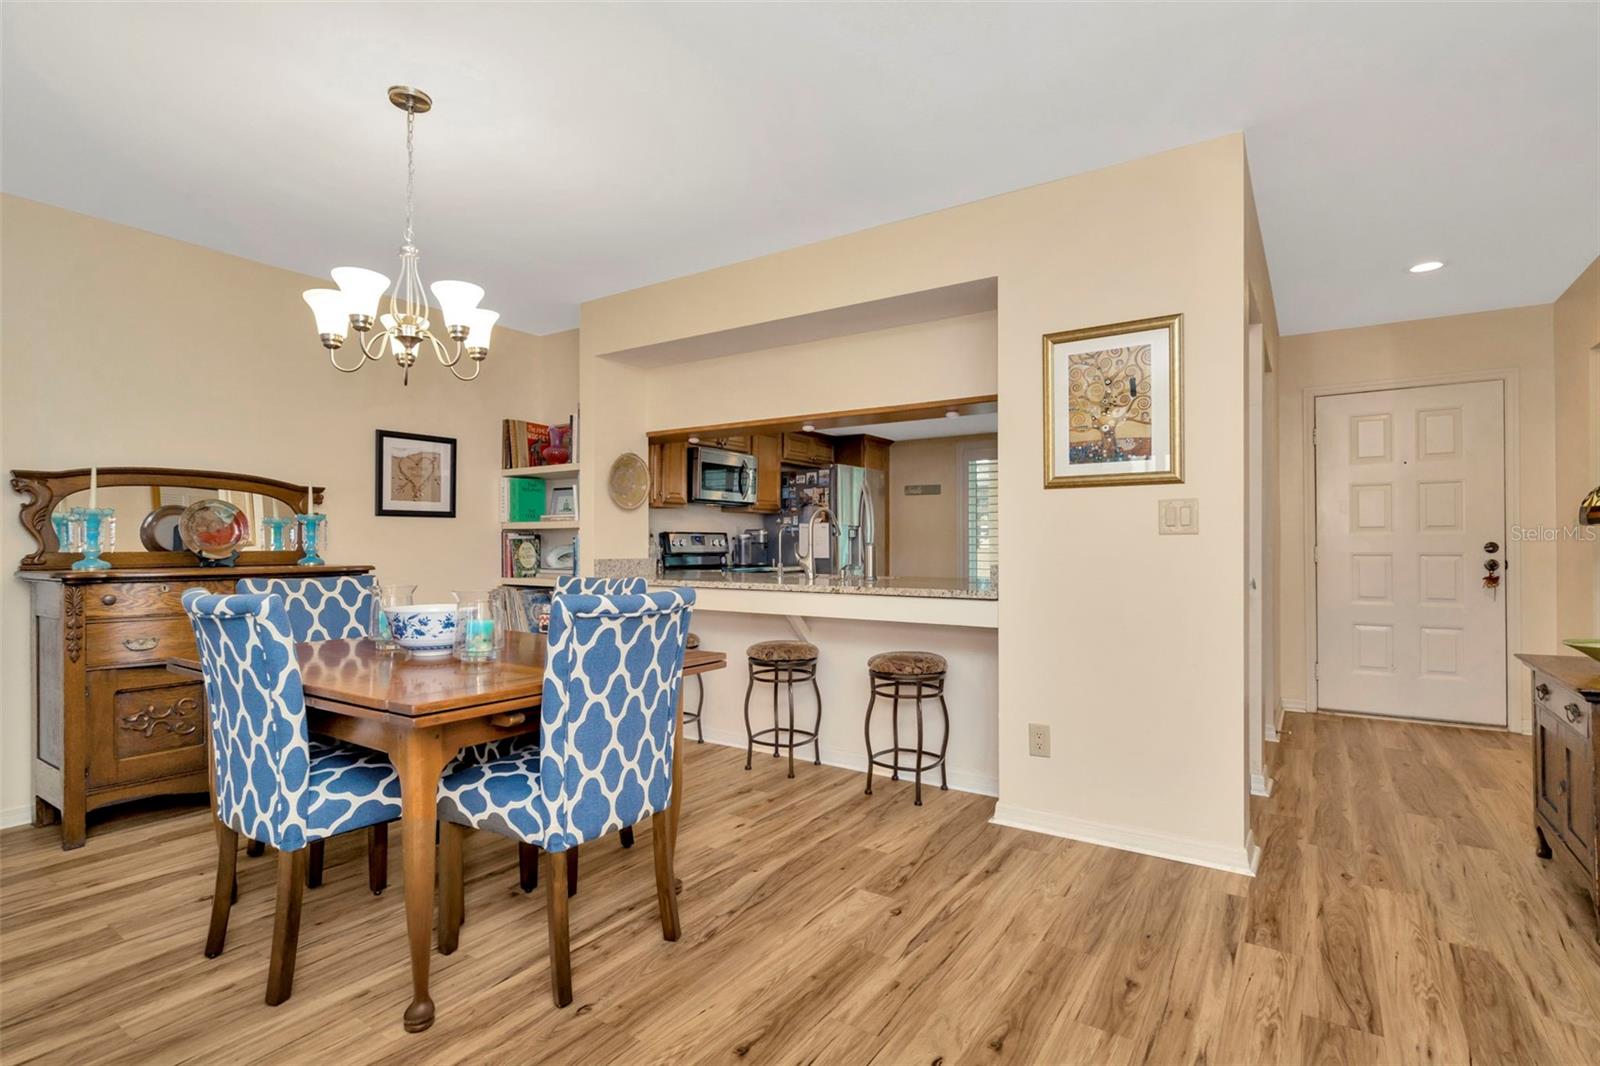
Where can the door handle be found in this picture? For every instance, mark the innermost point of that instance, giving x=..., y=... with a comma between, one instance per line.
x=1542, y=691
x=141, y=643
x=1574, y=714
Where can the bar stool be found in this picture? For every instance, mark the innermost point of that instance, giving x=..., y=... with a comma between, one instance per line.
x=699, y=730
x=782, y=662
x=890, y=673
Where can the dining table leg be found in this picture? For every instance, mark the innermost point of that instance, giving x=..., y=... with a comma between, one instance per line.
x=419, y=757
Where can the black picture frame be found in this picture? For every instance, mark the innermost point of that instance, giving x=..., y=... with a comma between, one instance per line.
x=383, y=502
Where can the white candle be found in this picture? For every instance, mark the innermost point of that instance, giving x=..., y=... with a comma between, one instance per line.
x=311, y=501
x=94, y=487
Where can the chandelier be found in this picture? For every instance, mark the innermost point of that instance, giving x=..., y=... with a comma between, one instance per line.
x=405, y=328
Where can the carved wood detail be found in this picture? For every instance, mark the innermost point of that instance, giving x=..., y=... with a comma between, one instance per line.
x=43, y=488
x=174, y=717
x=72, y=620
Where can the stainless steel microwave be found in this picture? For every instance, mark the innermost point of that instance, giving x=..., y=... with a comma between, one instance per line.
x=718, y=476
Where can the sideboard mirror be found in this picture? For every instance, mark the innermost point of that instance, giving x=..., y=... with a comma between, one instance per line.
x=147, y=502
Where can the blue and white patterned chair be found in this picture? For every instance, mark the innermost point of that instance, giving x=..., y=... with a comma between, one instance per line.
x=268, y=783
x=611, y=682
x=328, y=608
x=321, y=608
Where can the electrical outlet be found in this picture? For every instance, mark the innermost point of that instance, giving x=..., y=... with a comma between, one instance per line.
x=1038, y=740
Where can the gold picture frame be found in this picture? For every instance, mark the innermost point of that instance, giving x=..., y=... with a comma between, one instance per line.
x=1123, y=400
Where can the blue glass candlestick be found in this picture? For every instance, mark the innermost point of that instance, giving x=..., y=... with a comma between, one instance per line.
x=280, y=533
x=310, y=533
x=93, y=520
x=63, y=527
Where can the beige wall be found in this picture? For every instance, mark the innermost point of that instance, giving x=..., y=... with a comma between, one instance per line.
x=123, y=348
x=925, y=531
x=1129, y=645
x=1518, y=339
x=1577, y=446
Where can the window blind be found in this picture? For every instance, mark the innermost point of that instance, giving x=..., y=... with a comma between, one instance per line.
x=983, y=517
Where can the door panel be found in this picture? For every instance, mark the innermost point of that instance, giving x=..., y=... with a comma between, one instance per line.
x=1410, y=491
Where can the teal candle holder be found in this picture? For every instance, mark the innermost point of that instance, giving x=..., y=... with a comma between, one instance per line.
x=311, y=533
x=93, y=519
x=279, y=531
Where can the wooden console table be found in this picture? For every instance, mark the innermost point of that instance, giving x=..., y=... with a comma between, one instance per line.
x=1566, y=764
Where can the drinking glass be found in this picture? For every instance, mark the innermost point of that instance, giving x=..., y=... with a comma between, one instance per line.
x=480, y=625
x=386, y=598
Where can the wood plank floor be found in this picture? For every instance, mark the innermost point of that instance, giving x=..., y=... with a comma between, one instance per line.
x=1399, y=916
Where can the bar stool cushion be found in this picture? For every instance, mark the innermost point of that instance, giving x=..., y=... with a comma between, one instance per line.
x=693, y=641
x=907, y=663
x=782, y=651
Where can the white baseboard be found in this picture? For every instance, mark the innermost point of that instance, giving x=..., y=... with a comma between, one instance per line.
x=1260, y=785
x=850, y=759
x=1287, y=704
x=11, y=816
x=1239, y=860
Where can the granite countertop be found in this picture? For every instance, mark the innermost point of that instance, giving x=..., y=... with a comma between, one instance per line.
x=935, y=587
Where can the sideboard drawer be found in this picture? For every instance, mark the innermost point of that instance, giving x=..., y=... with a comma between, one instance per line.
x=131, y=599
x=144, y=640
x=1572, y=709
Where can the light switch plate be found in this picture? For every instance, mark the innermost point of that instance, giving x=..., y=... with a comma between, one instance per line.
x=1178, y=517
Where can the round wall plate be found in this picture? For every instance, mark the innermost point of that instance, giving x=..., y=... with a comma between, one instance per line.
x=629, y=481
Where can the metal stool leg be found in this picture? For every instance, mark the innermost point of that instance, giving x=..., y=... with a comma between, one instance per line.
x=895, y=721
x=918, y=755
x=944, y=742
x=868, y=729
x=749, y=731
x=699, y=709
x=774, y=712
x=790, y=687
x=816, y=741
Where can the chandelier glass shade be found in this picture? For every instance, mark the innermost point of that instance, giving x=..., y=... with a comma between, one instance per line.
x=404, y=328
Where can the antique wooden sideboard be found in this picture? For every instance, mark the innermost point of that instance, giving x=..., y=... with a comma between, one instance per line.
x=111, y=724
x=1566, y=764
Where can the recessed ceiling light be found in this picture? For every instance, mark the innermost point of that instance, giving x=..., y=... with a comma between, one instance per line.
x=808, y=427
x=694, y=440
x=1427, y=267
x=952, y=414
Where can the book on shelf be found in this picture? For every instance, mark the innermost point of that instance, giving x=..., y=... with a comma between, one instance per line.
x=522, y=443
x=529, y=610
x=521, y=552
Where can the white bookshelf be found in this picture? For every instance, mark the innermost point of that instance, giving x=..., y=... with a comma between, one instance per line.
x=547, y=523
x=543, y=581
x=555, y=472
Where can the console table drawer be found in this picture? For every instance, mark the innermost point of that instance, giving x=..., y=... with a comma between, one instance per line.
x=1573, y=711
x=129, y=599
x=135, y=642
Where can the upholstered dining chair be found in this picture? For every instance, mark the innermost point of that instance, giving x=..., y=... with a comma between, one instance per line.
x=612, y=673
x=327, y=608
x=268, y=783
x=527, y=854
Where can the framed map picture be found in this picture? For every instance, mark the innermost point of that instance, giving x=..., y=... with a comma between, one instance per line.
x=416, y=475
x=1113, y=404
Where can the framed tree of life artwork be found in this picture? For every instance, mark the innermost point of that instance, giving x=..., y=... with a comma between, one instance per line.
x=1113, y=404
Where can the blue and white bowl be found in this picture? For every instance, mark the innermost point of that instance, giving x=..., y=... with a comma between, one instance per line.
x=426, y=630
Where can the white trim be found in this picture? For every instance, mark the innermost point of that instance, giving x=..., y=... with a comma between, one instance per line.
x=853, y=759
x=1288, y=703
x=1240, y=860
x=14, y=816
x=967, y=451
x=1260, y=785
x=1517, y=713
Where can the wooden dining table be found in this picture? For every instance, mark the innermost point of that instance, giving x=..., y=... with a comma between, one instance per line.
x=421, y=712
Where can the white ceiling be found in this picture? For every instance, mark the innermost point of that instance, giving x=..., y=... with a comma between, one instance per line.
x=575, y=151
x=923, y=428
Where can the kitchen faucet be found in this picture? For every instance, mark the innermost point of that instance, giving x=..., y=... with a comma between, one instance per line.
x=808, y=558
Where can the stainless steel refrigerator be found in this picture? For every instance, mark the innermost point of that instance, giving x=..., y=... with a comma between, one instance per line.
x=860, y=501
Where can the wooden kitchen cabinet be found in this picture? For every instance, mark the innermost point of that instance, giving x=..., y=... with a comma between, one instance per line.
x=768, y=449
x=730, y=442
x=1566, y=765
x=669, y=474
x=806, y=449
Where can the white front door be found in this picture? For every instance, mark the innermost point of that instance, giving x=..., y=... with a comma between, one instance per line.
x=1410, y=500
